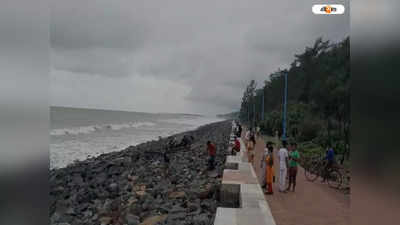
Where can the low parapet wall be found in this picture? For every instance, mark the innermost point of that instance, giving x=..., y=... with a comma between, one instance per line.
x=241, y=195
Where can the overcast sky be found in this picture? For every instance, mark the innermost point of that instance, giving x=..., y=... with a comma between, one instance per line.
x=176, y=56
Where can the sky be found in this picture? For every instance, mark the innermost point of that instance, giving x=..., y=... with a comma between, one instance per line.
x=179, y=56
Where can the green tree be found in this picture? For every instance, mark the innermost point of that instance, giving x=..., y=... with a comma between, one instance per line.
x=318, y=96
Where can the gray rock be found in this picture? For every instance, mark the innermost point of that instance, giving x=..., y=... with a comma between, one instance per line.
x=70, y=211
x=177, y=209
x=192, y=207
x=88, y=213
x=201, y=219
x=55, y=218
x=132, y=219
x=77, y=179
x=107, y=205
x=113, y=187
x=176, y=216
x=135, y=209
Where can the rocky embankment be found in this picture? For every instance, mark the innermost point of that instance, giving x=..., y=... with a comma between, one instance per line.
x=135, y=186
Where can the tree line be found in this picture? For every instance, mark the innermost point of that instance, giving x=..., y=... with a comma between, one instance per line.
x=318, y=100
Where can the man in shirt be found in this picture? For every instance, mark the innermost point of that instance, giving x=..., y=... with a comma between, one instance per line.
x=211, y=155
x=293, y=161
x=236, y=147
x=234, y=126
x=247, y=136
x=283, y=162
x=239, y=132
x=330, y=158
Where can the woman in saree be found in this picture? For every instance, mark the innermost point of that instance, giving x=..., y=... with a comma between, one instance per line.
x=270, y=173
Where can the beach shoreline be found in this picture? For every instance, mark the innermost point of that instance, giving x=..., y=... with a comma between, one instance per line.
x=131, y=187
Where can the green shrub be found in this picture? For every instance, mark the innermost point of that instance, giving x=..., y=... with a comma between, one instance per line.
x=309, y=129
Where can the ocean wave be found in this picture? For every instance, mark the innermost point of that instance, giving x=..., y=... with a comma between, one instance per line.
x=193, y=122
x=95, y=128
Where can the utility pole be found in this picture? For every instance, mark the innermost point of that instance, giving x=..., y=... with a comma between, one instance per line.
x=254, y=110
x=262, y=106
x=248, y=111
x=284, y=109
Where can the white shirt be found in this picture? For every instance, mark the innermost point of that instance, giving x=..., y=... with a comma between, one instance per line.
x=247, y=135
x=263, y=158
x=283, y=155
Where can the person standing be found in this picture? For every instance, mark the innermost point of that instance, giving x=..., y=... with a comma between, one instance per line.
x=270, y=173
x=263, y=166
x=283, y=162
x=294, y=157
x=289, y=149
x=166, y=162
x=239, y=133
x=211, y=155
x=236, y=147
x=247, y=137
x=250, y=148
x=277, y=138
x=330, y=158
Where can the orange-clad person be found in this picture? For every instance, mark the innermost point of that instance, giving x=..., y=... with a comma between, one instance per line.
x=269, y=173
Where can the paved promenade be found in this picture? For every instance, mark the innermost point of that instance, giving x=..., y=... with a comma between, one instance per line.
x=311, y=204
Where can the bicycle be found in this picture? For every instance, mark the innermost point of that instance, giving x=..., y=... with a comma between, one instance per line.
x=333, y=176
x=308, y=162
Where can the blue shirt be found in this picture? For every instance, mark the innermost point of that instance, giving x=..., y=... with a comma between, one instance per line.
x=330, y=155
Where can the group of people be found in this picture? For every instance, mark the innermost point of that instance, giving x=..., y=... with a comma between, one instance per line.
x=237, y=128
x=185, y=142
x=288, y=159
x=288, y=162
x=237, y=131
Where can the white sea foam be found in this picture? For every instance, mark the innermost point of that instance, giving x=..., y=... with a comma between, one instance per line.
x=193, y=122
x=97, y=128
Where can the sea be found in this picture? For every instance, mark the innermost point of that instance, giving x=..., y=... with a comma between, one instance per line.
x=77, y=133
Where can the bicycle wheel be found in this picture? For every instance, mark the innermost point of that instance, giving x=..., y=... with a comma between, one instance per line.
x=334, y=179
x=312, y=172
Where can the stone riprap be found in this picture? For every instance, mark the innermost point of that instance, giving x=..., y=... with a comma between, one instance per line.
x=136, y=186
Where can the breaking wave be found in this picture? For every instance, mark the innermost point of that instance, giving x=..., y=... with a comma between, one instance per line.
x=97, y=128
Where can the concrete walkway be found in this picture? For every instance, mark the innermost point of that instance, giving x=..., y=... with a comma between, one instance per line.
x=241, y=196
x=311, y=204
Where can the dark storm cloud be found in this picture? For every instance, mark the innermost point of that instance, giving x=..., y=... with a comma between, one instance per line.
x=211, y=47
x=86, y=24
